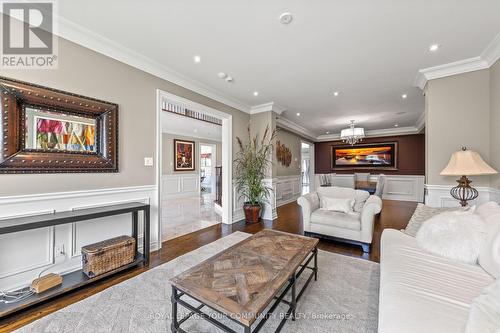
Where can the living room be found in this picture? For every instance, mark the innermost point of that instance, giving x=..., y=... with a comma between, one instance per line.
x=387, y=222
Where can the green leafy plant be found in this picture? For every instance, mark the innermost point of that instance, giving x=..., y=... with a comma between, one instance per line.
x=251, y=164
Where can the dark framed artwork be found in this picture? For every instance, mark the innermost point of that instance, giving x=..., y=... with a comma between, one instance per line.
x=44, y=130
x=184, y=155
x=380, y=156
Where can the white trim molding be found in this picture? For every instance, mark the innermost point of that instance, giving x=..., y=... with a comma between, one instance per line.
x=266, y=107
x=486, y=59
x=295, y=128
x=381, y=132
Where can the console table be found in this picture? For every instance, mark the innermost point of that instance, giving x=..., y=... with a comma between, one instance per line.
x=77, y=278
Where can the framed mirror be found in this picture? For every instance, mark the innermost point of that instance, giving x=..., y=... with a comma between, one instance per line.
x=44, y=130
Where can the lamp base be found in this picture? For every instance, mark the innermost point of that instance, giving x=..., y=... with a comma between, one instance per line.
x=463, y=192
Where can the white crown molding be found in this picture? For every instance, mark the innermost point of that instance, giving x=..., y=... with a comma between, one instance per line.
x=295, y=128
x=376, y=133
x=453, y=68
x=266, y=107
x=486, y=59
x=91, y=40
x=492, y=52
x=307, y=134
x=420, y=122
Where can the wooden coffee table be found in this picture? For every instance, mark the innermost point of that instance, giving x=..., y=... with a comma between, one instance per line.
x=241, y=281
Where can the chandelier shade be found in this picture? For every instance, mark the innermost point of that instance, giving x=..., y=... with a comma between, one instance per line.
x=352, y=135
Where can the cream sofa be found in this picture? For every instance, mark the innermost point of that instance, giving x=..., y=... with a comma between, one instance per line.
x=354, y=227
x=422, y=292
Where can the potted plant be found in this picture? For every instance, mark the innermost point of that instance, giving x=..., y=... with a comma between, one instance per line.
x=251, y=164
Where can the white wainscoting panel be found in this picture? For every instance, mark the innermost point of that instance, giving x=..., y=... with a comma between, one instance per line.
x=24, y=255
x=439, y=196
x=404, y=188
x=184, y=184
x=288, y=189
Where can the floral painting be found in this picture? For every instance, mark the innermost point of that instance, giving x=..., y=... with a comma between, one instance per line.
x=52, y=131
x=184, y=155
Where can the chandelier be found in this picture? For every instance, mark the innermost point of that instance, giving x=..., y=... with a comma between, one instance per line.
x=352, y=135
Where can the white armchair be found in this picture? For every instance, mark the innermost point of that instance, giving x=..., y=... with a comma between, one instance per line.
x=355, y=227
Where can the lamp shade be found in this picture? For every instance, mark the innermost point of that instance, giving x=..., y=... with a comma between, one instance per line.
x=467, y=163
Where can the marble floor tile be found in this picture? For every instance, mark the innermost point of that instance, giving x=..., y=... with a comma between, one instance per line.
x=184, y=215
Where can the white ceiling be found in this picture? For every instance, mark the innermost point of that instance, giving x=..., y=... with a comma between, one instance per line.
x=368, y=50
x=184, y=126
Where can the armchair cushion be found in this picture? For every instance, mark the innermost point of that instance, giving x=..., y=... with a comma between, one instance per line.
x=336, y=219
x=359, y=196
x=337, y=204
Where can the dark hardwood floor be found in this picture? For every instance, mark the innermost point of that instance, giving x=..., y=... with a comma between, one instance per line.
x=395, y=214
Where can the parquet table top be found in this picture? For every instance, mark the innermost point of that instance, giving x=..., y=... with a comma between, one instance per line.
x=243, y=279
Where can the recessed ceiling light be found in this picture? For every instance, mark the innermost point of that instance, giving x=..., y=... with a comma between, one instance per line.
x=222, y=75
x=197, y=59
x=336, y=93
x=434, y=47
x=195, y=130
x=256, y=93
x=298, y=114
x=327, y=132
x=396, y=125
x=286, y=18
x=404, y=96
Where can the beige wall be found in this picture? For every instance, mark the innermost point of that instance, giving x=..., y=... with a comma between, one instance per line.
x=88, y=73
x=258, y=124
x=457, y=114
x=293, y=142
x=168, y=153
x=495, y=122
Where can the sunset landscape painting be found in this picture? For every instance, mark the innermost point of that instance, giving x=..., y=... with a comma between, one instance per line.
x=371, y=156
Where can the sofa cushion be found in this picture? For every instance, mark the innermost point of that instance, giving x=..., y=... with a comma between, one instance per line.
x=359, y=196
x=484, y=315
x=422, y=292
x=336, y=219
x=489, y=254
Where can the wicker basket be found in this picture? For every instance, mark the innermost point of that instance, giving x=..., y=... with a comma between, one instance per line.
x=107, y=255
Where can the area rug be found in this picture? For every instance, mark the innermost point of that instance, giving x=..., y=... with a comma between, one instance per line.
x=344, y=299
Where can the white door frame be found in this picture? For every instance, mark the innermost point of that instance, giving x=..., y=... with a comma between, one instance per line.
x=227, y=151
x=311, y=164
x=212, y=168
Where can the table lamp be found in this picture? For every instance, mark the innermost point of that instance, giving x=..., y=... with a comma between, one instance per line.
x=466, y=163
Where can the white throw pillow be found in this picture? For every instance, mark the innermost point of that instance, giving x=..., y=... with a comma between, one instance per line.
x=484, y=314
x=454, y=235
x=337, y=204
x=489, y=255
